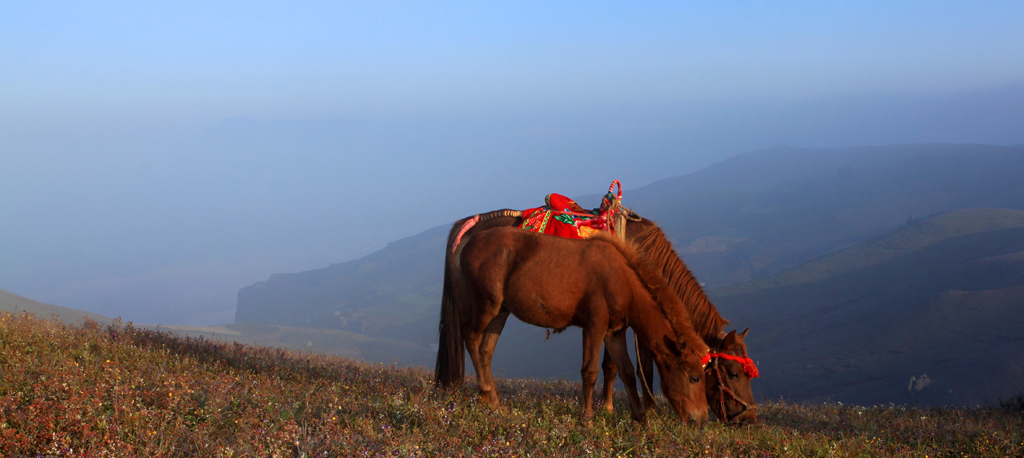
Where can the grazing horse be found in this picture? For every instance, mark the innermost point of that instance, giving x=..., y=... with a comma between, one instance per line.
x=727, y=379
x=653, y=244
x=600, y=285
x=731, y=397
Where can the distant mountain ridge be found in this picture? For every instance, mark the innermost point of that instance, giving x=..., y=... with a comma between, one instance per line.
x=916, y=235
x=744, y=221
x=782, y=206
x=743, y=218
x=394, y=291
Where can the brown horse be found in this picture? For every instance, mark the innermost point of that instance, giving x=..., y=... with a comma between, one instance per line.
x=653, y=244
x=727, y=379
x=601, y=285
x=731, y=397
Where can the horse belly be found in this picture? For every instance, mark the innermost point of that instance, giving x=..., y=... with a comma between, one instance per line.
x=541, y=308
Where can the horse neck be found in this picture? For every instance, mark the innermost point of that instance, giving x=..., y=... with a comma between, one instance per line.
x=705, y=317
x=651, y=326
x=656, y=331
x=653, y=299
x=660, y=306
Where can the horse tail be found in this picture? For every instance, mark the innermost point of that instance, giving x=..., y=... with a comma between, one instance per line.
x=450, y=368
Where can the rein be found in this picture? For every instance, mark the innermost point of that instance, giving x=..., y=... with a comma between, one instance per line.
x=704, y=360
x=643, y=378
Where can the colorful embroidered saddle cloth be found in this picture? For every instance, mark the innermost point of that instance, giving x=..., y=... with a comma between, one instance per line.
x=563, y=217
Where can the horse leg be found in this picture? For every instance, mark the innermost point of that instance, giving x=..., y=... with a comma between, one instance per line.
x=615, y=346
x=472, y=340
x=592, y=337
x=487, y=344
x=609, y=382
x=474, y=336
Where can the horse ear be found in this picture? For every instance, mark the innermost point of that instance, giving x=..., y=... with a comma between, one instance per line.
x=743, y=335
x=729, y=339
x=674, y=346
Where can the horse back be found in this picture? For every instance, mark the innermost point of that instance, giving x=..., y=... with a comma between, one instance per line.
x=566, y=279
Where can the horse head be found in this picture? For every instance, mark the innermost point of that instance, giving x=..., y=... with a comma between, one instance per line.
x=682, y=379
x=728, y=380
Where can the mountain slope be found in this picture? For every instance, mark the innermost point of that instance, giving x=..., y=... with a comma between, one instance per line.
x=318, y=340
x=775, y=208
x=15, y=304
x=946, y=299
x=740, y=219
x=393, y=292
x=333, y=341
x=748, y=219
x=916, y=235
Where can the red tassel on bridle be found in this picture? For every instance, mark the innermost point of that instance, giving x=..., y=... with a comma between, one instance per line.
x=749, y=367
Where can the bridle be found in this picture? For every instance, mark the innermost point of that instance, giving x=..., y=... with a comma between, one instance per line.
x=749, y=368
x=704, y=360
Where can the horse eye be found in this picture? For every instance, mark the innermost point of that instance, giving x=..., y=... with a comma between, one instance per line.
x=734, y=375
x=694, y=379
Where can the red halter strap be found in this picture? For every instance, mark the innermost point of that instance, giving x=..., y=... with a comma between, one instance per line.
x=749, y=367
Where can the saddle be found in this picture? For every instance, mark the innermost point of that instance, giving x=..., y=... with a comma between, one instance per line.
x=563, y=217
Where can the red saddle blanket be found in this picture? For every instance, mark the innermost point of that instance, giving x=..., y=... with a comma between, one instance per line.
x=563, y=217
x=558, y=217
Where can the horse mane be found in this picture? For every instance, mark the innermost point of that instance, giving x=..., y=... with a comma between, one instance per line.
x=651, y=241
x=666, y=299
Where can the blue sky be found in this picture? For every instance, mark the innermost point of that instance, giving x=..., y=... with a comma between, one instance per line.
x=160, y=155
x=195, y=62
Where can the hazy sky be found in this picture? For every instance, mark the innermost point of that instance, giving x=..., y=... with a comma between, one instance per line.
x=155, y=157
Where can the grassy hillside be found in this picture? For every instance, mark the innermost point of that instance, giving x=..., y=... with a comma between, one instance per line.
x=122, y=391
x=942, y=297
x=306, y=339
x=318, y=340
x=13, y=303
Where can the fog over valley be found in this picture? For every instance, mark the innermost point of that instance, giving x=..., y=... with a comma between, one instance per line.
x=156, y=159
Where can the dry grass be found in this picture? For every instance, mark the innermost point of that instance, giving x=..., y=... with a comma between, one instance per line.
x=121, y=391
